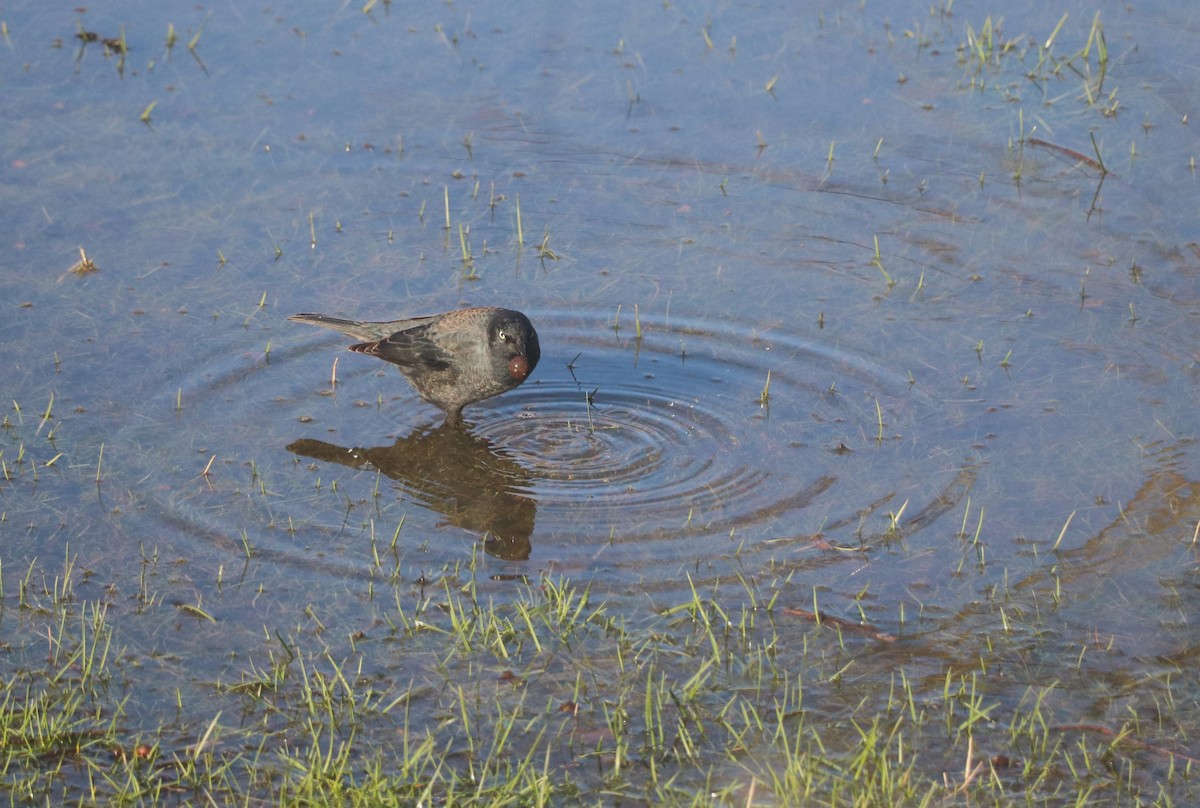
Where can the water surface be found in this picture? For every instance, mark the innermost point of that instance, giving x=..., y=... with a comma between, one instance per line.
x=831, y=309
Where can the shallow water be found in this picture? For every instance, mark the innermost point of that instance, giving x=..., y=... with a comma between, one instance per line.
x=947, y=368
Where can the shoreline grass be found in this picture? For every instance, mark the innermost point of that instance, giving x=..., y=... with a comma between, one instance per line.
x=725, y=697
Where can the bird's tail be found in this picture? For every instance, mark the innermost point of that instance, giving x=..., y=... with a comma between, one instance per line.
x=354, y=328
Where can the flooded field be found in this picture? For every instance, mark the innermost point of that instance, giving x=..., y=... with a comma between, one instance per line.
x=859, y=466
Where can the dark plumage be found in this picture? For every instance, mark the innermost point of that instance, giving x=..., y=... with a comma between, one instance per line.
x=452, y=359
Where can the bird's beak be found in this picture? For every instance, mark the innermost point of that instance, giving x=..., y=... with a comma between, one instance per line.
x=518, y=367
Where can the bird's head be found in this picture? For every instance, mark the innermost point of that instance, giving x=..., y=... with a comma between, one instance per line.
x=512, y=339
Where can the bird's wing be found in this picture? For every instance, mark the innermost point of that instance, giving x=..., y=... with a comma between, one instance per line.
x=411, y=348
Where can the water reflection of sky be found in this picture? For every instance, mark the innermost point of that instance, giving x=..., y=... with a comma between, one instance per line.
x=1034, y=366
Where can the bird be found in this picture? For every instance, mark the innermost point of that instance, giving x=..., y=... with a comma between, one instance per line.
x=452, y=359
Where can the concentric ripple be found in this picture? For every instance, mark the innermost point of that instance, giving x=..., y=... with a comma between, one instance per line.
x=632, y=452
x=668, y=434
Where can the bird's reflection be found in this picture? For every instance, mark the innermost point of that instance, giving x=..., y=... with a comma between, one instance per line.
x=474, y=484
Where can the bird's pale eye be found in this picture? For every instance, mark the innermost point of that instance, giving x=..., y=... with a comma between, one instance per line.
x=502, y=335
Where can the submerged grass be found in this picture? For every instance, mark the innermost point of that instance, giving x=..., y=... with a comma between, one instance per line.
x=1010, y=65
x=552, y=697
